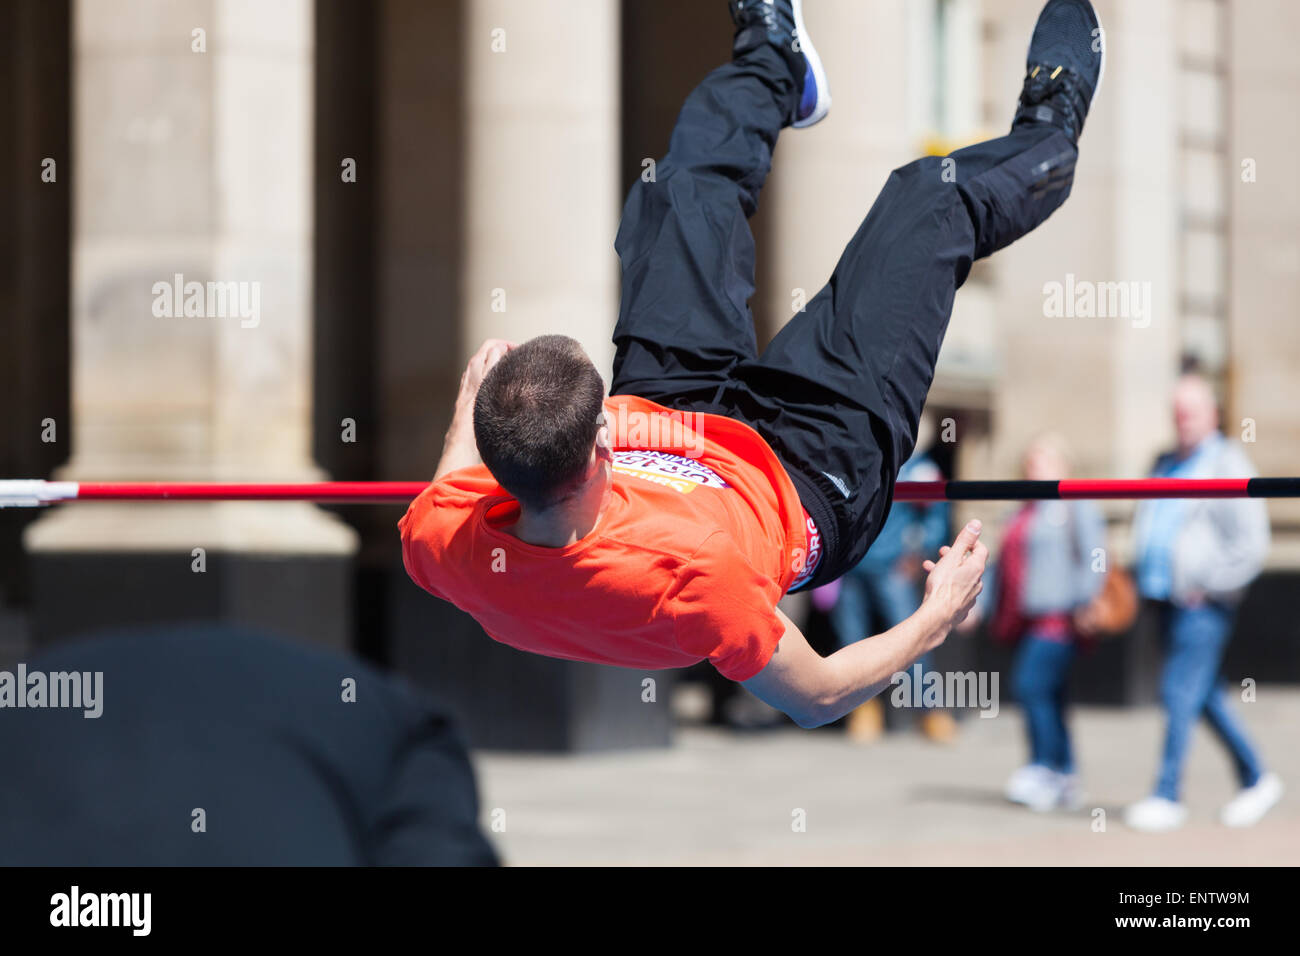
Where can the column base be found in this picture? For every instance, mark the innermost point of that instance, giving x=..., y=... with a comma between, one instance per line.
x=284, y=569
x=505, y=699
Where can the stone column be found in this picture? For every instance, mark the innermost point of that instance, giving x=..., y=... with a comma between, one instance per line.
x=192, y=166
x=825, y=178
x=539, y=120
x=1264, y=216
x=1101, y=381
x=1263, y=203
x=35, y=206
x=542, y=198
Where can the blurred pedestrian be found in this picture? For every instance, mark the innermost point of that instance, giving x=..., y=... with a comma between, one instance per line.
x=1195, y=560
x=1044, y=575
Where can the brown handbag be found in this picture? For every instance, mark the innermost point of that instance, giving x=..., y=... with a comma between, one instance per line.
x=1113, y=610
x=1115, y=607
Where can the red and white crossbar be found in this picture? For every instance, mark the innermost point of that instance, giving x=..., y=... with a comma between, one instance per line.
x=1097, y=489
x=30, y=494
x=36, y=493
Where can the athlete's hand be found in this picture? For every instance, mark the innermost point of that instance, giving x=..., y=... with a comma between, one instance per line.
x=459, y=449
x=956, y=579
x=480, y=364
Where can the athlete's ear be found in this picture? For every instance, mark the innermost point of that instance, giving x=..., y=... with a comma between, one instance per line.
x=602, y=450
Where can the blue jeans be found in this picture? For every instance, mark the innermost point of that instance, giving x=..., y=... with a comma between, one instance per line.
x=1190, y=688
x=889, y=596
x=1039, y=680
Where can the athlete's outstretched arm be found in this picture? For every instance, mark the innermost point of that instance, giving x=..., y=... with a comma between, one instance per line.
x=459, y=450
x=816, y=690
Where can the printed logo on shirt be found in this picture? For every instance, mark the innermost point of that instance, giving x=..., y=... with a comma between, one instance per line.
x=663, y=468
x=814, y=555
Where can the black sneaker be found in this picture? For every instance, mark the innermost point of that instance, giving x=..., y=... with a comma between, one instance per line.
x=1064, y=67
x=780, y=22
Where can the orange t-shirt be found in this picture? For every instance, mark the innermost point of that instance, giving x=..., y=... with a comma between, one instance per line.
x=702, y=535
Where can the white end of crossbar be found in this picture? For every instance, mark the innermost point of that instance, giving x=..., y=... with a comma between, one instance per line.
x=35, y=493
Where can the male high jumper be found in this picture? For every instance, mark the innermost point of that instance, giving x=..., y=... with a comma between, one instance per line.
x=584, y=532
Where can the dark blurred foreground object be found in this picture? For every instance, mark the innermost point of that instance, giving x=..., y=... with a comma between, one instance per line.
x=251, y=736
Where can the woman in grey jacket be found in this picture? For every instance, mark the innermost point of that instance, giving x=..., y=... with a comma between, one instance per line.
x=1051, y=563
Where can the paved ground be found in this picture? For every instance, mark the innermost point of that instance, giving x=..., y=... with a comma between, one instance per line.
x=724, y=798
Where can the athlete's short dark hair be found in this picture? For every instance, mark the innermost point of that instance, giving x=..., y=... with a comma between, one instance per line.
x=536, y=418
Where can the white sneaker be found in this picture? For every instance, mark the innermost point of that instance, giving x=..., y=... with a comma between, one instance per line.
x=1249, y=806
x=1155, y=815
x=1070, y=791
x=1025, y=783
x=1036, y=787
